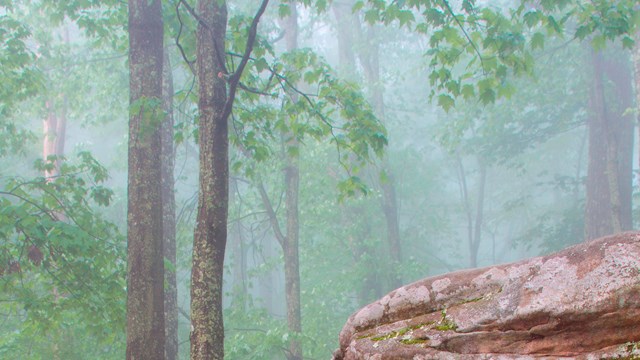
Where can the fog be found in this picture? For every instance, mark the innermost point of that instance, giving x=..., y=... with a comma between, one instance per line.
x=469, y=177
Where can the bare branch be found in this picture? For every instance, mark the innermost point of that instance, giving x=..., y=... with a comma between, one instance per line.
x=464, y=31
x=272, y=214
x=234, y=79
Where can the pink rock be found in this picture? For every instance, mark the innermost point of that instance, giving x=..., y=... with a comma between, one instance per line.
x=580, y=303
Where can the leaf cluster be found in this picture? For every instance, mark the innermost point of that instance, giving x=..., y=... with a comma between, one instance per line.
x=19, y=78
x=475, y=49
x=59, y=259
x=300, y=98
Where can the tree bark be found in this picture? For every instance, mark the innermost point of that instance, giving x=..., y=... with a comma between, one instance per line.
x=145, y=267
x=167, y=165
x=210, y=237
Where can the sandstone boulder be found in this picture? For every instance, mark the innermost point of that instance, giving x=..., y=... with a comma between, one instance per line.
x=580, y=303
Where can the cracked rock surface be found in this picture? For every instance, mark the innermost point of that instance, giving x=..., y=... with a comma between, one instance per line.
x=579, y=303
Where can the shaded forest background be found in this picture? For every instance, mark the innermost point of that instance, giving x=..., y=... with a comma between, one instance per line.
x=371, y=144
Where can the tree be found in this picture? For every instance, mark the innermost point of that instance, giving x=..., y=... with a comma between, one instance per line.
x=167, y=164
x=145, y=265
x=608, y=205
x=636, y=68
x=364, y=44
x=289, y=239
x=210, y=236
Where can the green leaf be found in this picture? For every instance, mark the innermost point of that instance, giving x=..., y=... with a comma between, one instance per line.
x=284, y=10
x=468, y=91
x=371, y=16
x=446, y=102
x=628, y=42
x=537, y=41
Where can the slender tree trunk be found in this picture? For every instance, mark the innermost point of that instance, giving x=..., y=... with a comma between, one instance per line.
x=210, y=237
x=349, y=41
x=169, y=214
x=145, y=267
x=54, y=127
x=477, y=231
x=370, y=60
x=608, y=205
x=292, y=186
x=368, y=51
x=474, y=226
x=636, y=68
x=54, y=139
x=345, y=24
x=239, y=266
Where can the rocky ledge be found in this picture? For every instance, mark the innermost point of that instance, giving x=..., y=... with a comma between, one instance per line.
x=580, y=303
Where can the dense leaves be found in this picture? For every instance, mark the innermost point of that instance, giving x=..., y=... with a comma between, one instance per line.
x=474, y=49
x=59, y=257
x=514, y=79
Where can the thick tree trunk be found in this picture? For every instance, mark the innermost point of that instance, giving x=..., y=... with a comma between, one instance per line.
x=145, y=267
x=621, y=132
x=167, y=165
x=210, y=237
x=609, y=178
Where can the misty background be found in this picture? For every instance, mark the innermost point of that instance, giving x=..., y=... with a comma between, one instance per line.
x=460, y=186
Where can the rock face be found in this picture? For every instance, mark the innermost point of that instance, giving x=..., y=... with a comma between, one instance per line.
x=580, y=303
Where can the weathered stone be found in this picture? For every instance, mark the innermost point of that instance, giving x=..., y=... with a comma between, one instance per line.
x=580, y=303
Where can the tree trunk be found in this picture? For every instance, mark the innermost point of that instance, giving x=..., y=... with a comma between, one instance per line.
x=292, y=185
x=345, y=24
x=621, y=132
x=239, y=264
x=54, y=128
x=210, y=237
x=636, y=68
x=609, y=178
x=369, y=56
x=349, y=35
x=477, y=231
x=370, y=59
x=145, y=267
x=474, y=226
x=167, y=165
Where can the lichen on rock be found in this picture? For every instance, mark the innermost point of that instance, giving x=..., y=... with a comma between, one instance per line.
x=580, y=303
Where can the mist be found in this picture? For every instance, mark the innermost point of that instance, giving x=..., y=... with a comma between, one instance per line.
x=369, y=146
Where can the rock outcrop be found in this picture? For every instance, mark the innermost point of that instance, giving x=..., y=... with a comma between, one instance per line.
x=580, y=303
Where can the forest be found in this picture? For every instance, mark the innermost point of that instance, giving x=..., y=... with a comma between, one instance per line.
x=208, y=179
